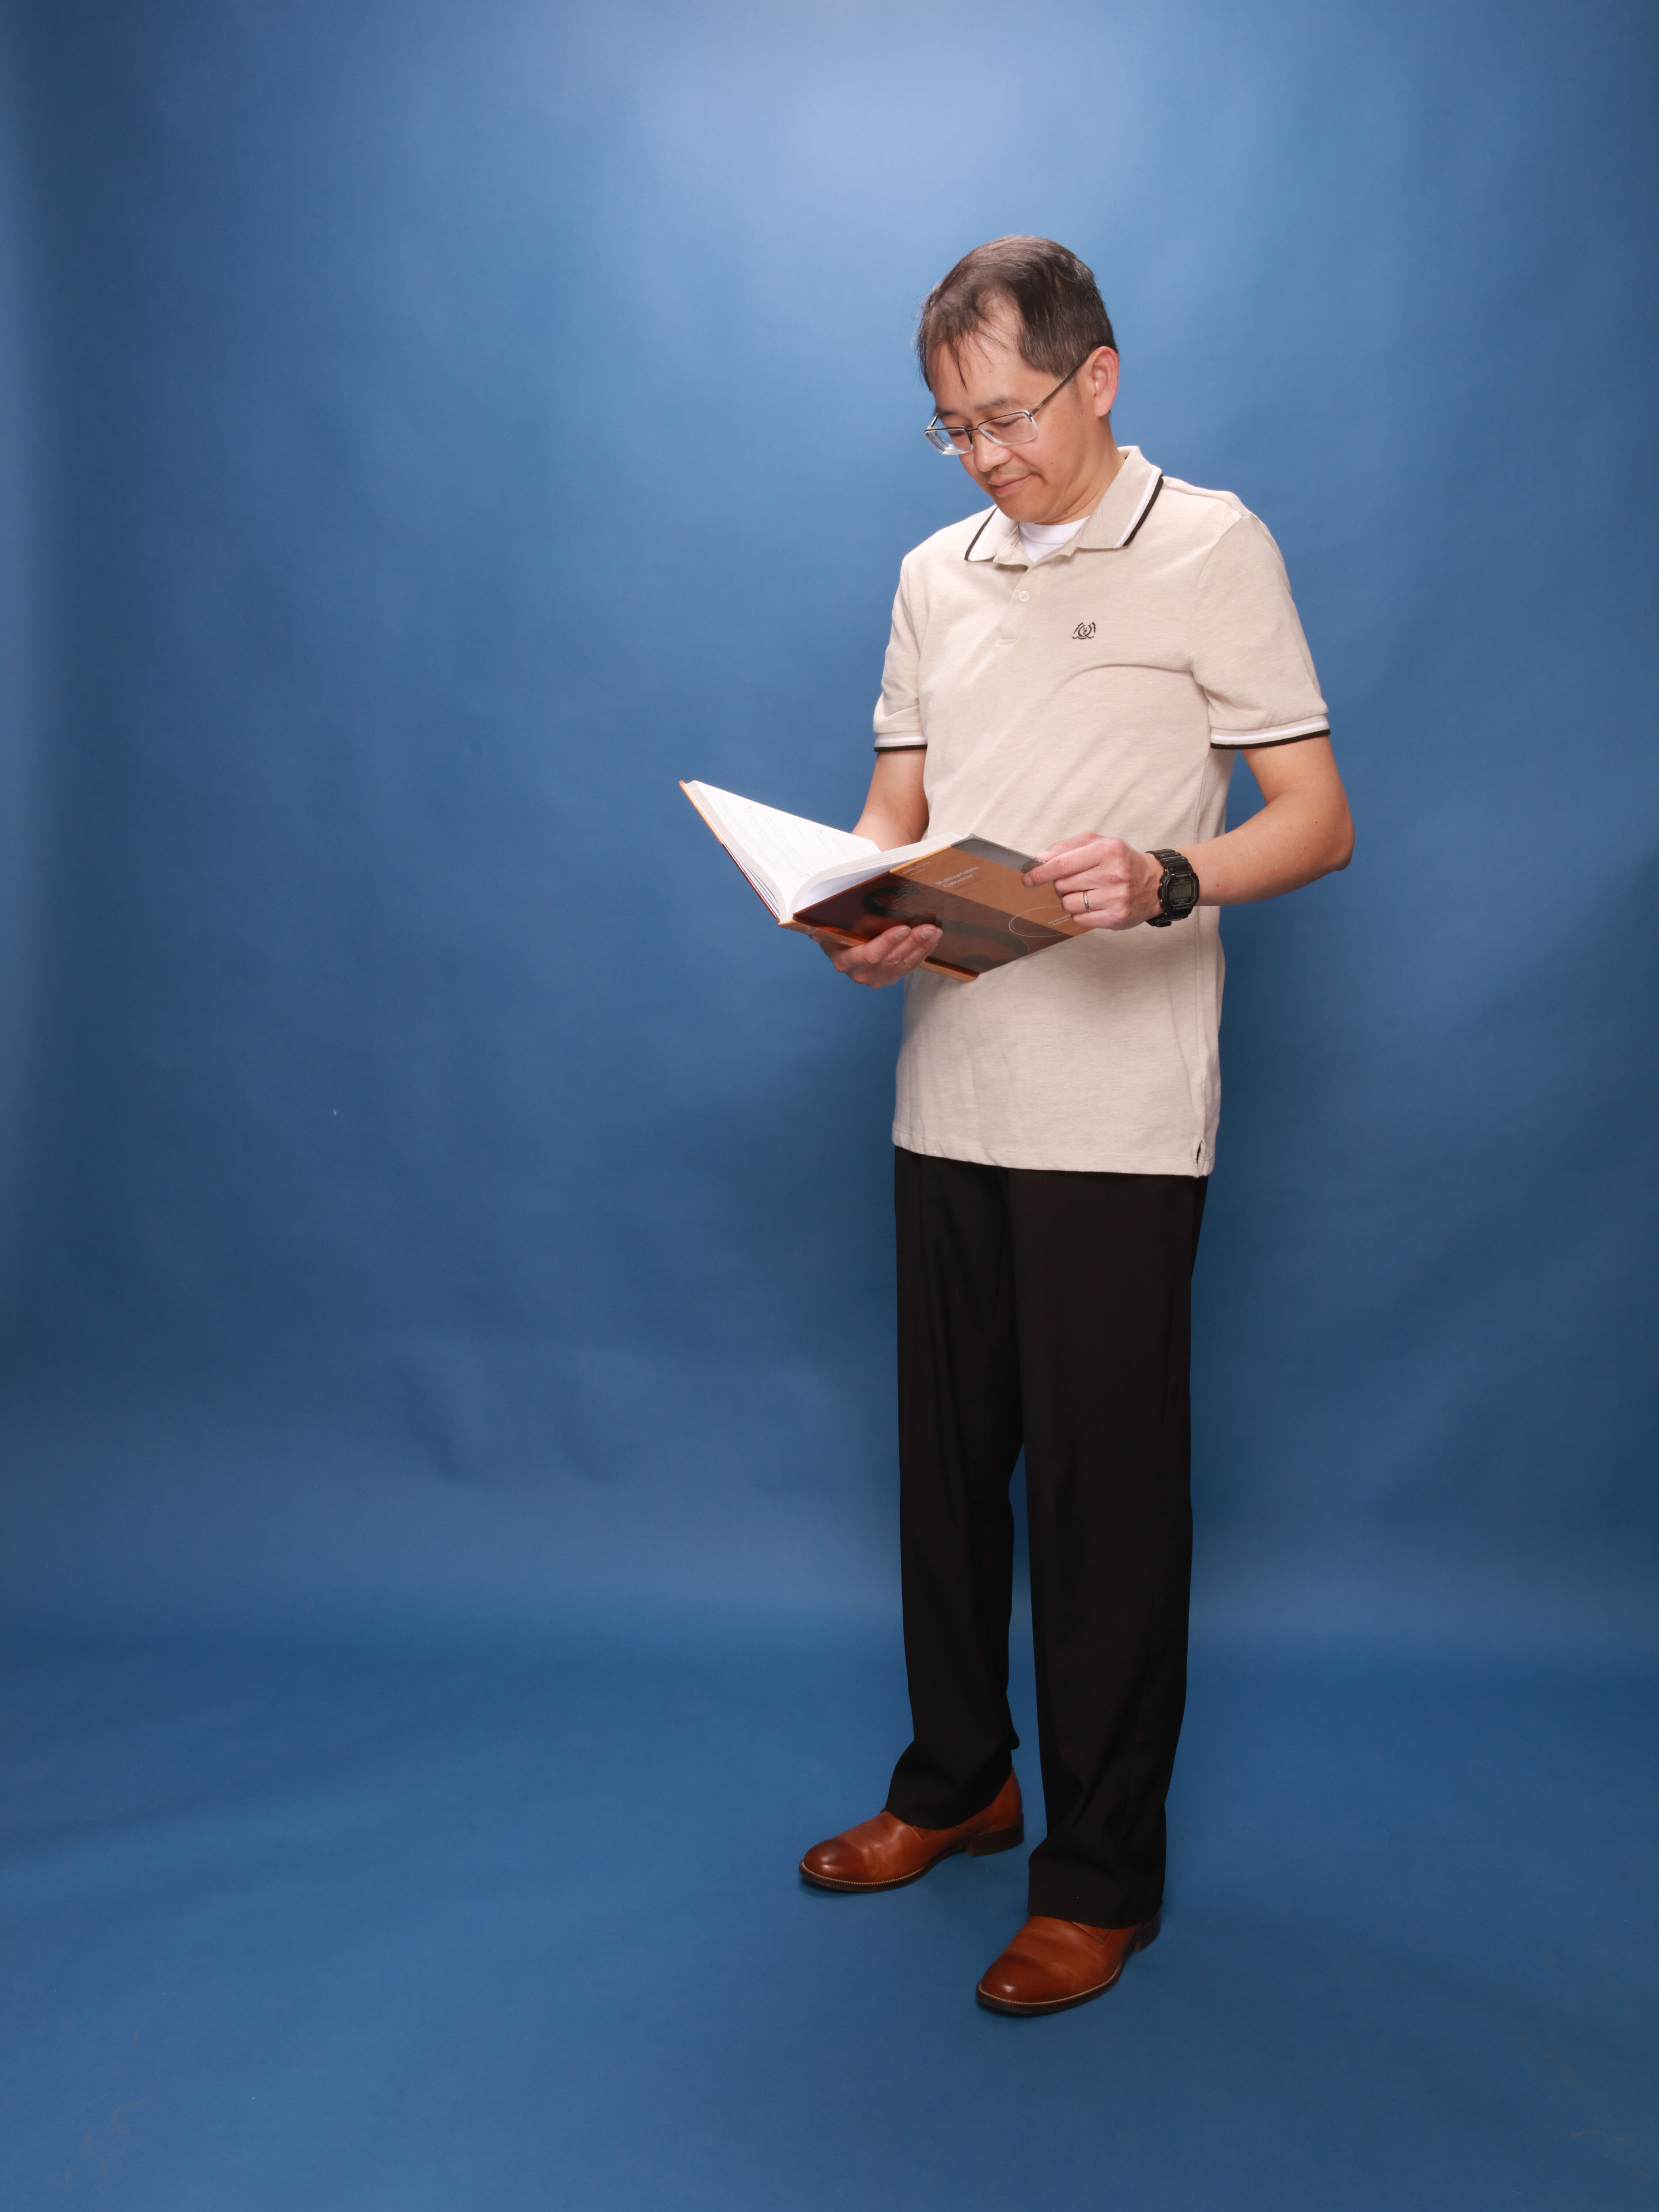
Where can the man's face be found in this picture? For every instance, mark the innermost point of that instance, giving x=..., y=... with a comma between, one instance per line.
x=1059, y=473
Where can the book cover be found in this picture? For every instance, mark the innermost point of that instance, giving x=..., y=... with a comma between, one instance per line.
x=971, y=889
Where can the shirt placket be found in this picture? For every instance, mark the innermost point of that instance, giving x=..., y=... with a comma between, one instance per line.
x=1028, y=587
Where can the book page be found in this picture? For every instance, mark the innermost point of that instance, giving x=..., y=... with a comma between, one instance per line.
x=840, y=875
x=776, y=851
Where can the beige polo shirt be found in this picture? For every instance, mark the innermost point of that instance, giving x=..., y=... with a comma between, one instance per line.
x=1103, y=690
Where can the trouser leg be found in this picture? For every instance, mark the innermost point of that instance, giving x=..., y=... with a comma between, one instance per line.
x=1103, y=1268
x=959, y=1438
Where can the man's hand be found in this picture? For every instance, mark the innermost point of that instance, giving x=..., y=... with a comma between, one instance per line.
x=1120, y=883
x=888, y=958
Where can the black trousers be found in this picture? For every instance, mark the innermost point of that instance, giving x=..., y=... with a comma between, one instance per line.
x=1049, y=1310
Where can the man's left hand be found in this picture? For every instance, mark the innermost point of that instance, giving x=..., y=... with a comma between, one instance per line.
x=1120, y=883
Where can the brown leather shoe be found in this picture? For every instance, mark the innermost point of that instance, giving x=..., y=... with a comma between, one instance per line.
x=1051, y=1964
x=887, y=1852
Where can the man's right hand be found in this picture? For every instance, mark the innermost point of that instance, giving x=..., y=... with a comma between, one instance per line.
x=888, y=958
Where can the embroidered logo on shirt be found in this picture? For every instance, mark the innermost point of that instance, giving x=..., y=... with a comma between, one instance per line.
x=1083, y=629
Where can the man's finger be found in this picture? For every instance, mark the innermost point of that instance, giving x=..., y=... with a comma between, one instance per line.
x=1068, y=862
x=1066, y=845
x=1098, y=883
x=903, y=958
x=894, y=952
x=872, y=949
x=1072, y=856
x=879, y=950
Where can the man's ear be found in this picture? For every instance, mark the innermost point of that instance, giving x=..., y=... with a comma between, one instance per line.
x=1102, y=376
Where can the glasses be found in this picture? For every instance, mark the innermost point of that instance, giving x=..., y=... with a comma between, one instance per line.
x=1016, y=429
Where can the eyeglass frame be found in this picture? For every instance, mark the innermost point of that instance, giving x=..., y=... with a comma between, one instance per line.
x=972, y=430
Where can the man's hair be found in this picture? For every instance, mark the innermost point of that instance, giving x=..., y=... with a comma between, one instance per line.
x=1060, y=315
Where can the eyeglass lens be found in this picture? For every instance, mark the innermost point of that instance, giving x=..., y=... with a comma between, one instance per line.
x=1006, y=430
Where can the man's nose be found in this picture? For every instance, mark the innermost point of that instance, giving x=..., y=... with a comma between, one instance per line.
x=987, y=454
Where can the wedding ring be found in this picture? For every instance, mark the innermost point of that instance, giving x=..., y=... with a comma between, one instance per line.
x=1085, y=901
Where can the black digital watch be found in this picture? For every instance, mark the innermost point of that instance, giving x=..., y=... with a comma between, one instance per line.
x=1177, y=893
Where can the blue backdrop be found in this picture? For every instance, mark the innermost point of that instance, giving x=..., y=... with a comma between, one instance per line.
x=431, y=1196
x=441, y=427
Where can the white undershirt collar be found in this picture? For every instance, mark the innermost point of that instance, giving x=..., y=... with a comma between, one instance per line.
x=1042, y=539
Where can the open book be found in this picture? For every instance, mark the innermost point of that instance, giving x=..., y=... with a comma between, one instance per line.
x=829, y=882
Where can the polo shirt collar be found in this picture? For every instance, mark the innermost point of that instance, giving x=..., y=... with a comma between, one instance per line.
x=1127, y=502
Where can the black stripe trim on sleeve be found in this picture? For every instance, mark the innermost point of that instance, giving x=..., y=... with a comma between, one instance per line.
x=1242, y=745
x=916, y=745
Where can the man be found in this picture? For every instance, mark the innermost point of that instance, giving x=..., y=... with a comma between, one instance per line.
x=1070, y=674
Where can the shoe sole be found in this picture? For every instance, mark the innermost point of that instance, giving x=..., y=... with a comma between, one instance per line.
x=976, y=1847
x=1147, y=1934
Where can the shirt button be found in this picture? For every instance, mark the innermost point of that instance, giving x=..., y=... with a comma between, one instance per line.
x=1025, y=595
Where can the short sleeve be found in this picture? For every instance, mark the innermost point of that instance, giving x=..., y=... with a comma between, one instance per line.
x=898, y=710
x=1250, y=659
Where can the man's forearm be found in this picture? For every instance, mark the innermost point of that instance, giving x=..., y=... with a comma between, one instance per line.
x=884, y=831
x=895, y=808
x=1296, y=837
